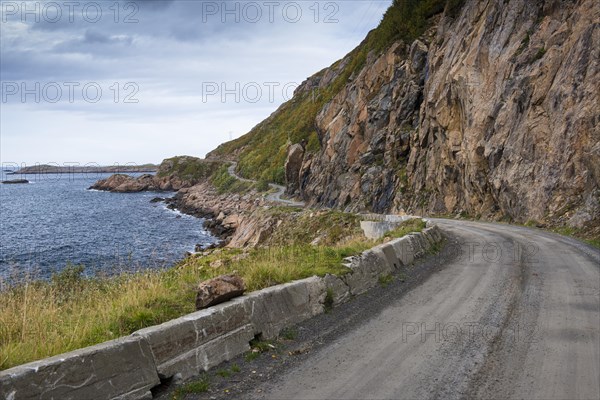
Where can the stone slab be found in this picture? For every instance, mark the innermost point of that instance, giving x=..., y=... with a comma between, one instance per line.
x=223, y=348
x=277, y=307
x=118, y=369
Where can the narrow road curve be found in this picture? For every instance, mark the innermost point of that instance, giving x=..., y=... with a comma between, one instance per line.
x=514, y=314
x=274, y=197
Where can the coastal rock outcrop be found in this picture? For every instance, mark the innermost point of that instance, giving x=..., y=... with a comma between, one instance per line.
x=490, y=112
x=125, y=183
x=173, y=174
x=365, y=133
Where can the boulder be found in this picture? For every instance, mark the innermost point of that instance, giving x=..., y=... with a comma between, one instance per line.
x=231, y=221
x=293, y=164
x=252, y=231
x=219, y=290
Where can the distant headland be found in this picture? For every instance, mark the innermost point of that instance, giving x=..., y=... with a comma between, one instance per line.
x=55, y=169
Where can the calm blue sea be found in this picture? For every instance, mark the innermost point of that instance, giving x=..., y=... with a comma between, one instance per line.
x=55, y=220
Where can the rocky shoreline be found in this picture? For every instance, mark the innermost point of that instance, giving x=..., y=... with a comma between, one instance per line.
x=239, y=218
x=223, y=213
x=121, y=183
x=227, y=216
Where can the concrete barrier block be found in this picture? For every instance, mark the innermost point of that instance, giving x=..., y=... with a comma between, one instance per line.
x=377, y=229
x=180, y=336
x=437, y=233
x=223, y=348
x=339, y=289
x=365, y=271
x=316, y=295
x=277, y=307
x=118, y=369
x=390, y=255
x=385, y=265
x=417, y=244
x=404, y=250
x=428, y=238
x=425, y=242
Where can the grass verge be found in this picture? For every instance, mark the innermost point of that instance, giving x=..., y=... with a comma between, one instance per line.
x=39, y=319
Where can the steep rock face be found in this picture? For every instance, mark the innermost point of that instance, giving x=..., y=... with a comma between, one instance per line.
x=509, y=123
x=492, y=113
x=365, y=133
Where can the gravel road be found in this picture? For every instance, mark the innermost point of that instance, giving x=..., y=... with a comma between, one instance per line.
x=513, y=314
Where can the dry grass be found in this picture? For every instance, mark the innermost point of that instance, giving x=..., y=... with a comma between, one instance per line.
x=39, y=319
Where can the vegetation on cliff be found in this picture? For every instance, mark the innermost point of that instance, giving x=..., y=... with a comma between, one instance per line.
x=187, y=168
x=225, y=183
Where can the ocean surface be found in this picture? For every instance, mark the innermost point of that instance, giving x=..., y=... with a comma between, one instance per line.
x=55, y=221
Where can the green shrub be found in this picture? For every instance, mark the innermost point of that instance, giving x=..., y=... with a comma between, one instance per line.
x=289, y=334
x=262, y=186
x=188, y=168
x=539, y=55
x=328, y=303
x=225, y=183
x=71, y=277
x=385, y=280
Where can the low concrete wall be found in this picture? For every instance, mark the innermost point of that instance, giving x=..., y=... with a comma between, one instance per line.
x=119, y=369
x=128, y=368
x=186, y=346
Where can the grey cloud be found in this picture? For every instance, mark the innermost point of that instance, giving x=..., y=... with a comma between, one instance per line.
x=95, y=37
x=170, y=53
x=98, y=43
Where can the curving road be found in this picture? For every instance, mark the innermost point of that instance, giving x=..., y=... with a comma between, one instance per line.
x=515, y=314
x=274, y=197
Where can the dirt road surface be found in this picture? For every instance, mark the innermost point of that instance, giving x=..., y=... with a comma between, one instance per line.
x=515, y=313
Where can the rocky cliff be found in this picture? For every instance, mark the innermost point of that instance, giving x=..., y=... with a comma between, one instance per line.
x=491, y=111
x=509, y=122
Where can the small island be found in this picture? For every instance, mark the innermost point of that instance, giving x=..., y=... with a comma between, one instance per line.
x=15, y=181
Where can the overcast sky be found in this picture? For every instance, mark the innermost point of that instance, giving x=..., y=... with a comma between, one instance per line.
x=105, y=82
